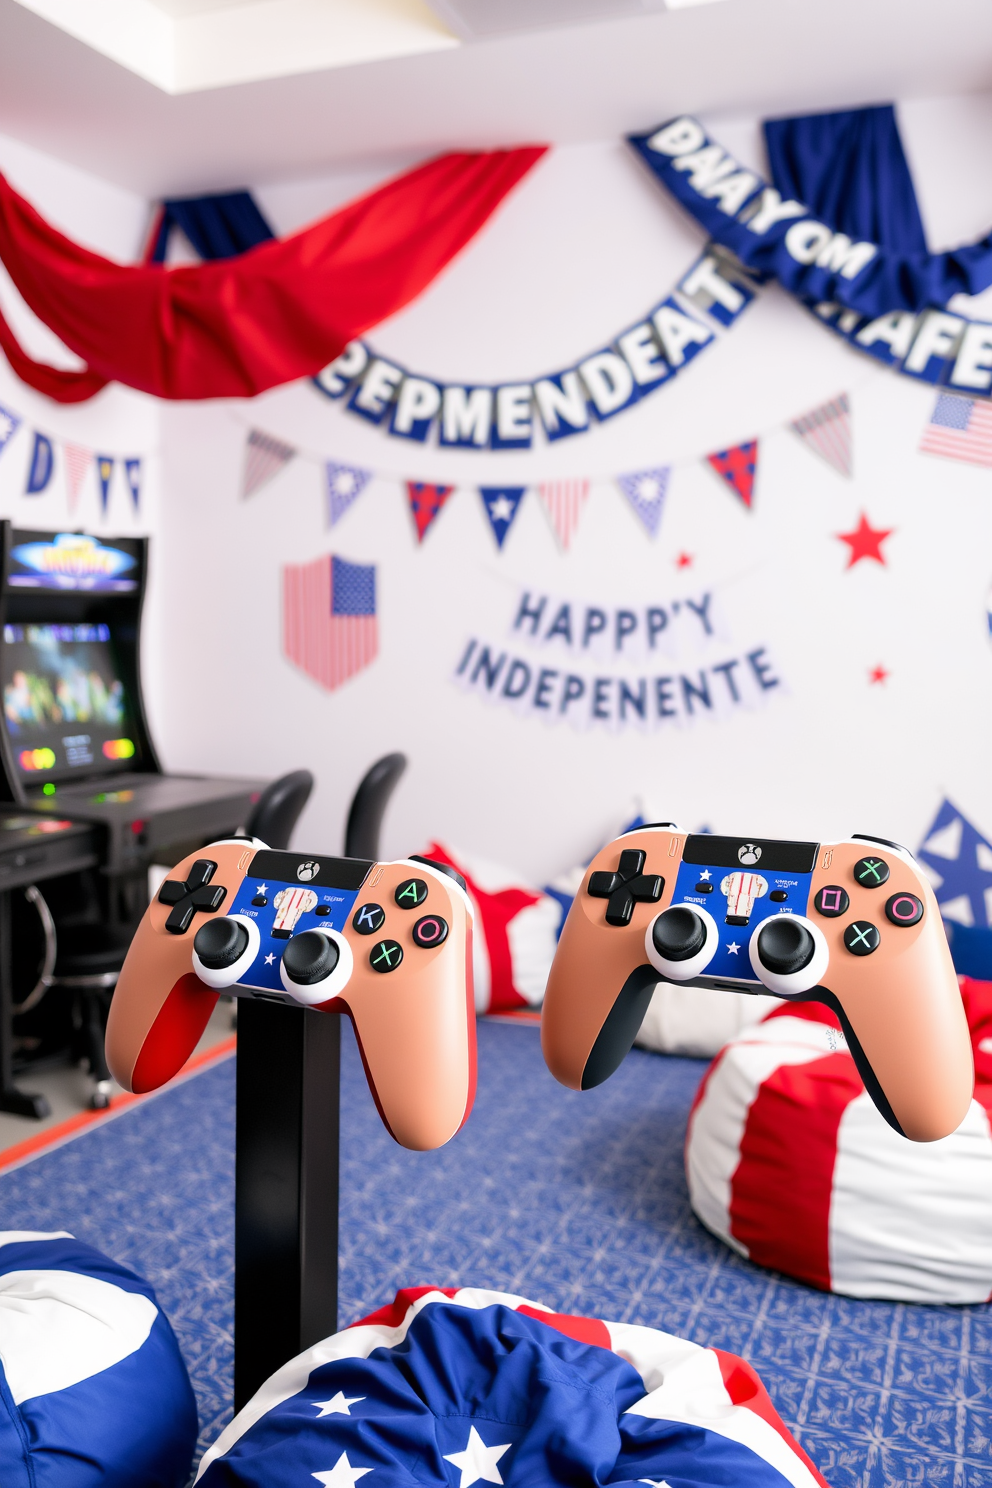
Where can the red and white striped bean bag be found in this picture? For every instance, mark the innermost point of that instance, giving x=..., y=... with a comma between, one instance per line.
x=789, y=1162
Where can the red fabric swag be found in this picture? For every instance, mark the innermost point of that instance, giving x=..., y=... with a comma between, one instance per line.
x=234, y=327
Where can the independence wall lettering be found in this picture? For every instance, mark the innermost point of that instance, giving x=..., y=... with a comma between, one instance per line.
x=618, y=667
x=708, y=299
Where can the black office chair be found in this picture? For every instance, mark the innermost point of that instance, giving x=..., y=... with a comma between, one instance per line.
x=278, y=808
x=368, y=806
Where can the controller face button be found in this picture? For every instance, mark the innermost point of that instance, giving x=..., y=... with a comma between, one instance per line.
x=430, y=931
x=785, y=946
x=219, y=943
x=411, y=893
x=368, y=919
x=386, y=955
x=871, y=873
x=832, y=901
x=904, y=909
x=602, y=885
x=778, y=896
x=309, y=957
x=678, y=933
x=260, y=901
x=861, y=938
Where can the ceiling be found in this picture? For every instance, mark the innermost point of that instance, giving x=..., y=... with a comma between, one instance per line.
x=575, y=82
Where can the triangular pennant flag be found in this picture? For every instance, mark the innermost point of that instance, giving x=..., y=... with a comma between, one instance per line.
x=501, y=505
x=264, y=458
x=738, y=466
x=425, y=503
x=9, y=425
x=563, y=502
x=132, y=471
x=345, y=483
x=104, y=471
x=78, y=460
x=645, y=490
x=827, y=431
x=42, y=463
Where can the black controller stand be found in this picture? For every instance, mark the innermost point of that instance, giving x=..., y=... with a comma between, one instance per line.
x=286, y=1187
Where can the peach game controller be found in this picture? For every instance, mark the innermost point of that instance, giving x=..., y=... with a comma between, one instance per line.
x=390, y=944
x=851, y=924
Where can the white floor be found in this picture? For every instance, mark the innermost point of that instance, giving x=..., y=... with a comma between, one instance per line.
x=68, y=1089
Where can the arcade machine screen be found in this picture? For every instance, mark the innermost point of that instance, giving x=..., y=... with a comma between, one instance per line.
x=66, y=708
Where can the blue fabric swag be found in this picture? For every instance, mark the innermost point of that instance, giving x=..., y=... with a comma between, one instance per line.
x=217, y=226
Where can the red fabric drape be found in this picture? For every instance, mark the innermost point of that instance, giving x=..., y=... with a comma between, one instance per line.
x=234, y=327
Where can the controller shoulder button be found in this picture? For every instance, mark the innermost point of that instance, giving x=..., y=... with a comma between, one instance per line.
x=861, y=938
x=831, y=901
x=904, y=909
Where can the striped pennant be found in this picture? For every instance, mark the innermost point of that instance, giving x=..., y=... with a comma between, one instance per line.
x=563, y=502
x=264, y=458
x=78, y=460
x=827, y=431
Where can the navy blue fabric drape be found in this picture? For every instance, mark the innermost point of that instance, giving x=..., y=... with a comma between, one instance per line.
x=850, y=170
x=217, y=226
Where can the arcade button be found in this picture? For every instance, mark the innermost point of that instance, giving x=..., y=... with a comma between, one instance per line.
x=778, y=896
x=871, y=873
x=385, y=955
x=220, y=942
x=260, y=901
x=411, y=893
x=831, y=901
x=904, y=909
x=861, y=938
x=310, y=957
x=625, y=887
x=430, y=931
x=368, y=919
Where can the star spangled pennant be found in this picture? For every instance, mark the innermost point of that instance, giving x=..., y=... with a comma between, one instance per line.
x=957, y=859
x=563, y=501
x=132, y=473
x=41, y=466
x=345, y=483
x=104, y=474
x=646, y=491
x=9, y=425
x=425, y=502
x=827, y=431
x=264, y=458
x=501, y=504
x=78, y=460
x=738, y=466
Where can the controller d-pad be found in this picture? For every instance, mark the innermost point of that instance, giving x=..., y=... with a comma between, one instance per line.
x=625, y=887
x=196, y=895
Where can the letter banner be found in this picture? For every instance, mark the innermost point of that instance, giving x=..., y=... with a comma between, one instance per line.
x=618, y=666
x=707, y=300
x=866, y=294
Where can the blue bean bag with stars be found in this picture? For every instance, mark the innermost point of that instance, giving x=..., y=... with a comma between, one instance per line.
x=465, y=1387
x=93, y=1389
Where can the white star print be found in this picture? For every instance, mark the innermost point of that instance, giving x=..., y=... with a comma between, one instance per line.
x=478, y=1462
x=342, y=1474
x=344, y=483
x=501, y=510
x=733, y=948
x=263, y=888
x=270, y=958
x=655, y=1482
x=704, y=877
x=338, y=1405
x=647, y=487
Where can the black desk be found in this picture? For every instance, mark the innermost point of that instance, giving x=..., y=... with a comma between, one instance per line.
x=32, y=849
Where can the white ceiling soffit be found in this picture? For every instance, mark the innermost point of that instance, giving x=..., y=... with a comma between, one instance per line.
x=185, y=45
x=476, y=18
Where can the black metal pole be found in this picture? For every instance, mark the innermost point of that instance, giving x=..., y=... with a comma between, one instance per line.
x=286, y=1187
x=18, y=1102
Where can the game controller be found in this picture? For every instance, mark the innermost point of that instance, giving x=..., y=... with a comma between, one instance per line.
x=850, y=924
x=390, y=944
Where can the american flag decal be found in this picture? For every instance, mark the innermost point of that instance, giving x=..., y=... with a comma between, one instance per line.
x=330, y=629
x=960, y=429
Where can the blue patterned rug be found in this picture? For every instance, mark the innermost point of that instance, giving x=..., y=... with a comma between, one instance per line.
x=577, y=1201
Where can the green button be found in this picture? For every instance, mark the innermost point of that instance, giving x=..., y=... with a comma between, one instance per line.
x=411, y=893
x=386, y=955
x=871, y=873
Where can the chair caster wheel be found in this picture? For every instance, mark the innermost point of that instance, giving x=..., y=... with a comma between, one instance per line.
x=100, y=1099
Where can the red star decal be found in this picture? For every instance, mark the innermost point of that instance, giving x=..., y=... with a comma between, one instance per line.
x=865, y=541
x=684, y=560
x=878, y=674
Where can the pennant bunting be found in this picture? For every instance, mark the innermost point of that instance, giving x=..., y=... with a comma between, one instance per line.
x=737, y=466
x=563, y=502
x=105, y=474
x=9, y=425
x=78, y=460
x=264, y=458
x=501, y=504
x=132, y=472
x=646, y=491
x=827, y=431
x=425, y=503
x=345, y=483
x=42, y=464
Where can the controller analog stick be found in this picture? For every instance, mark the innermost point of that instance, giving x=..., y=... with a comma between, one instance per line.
x=785, y=946
x=309, y=957
x=220, y=942
x=678, y=933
